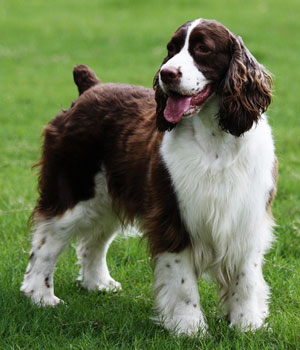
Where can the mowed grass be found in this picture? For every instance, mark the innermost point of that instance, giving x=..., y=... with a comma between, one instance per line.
x=124, y=41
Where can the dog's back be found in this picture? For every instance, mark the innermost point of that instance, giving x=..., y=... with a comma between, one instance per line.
x=93, y=135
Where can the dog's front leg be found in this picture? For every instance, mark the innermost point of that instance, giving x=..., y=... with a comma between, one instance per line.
x=177, y=299
x=247, y=303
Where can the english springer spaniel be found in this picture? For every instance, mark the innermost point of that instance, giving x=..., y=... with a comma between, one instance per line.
x=192, y=162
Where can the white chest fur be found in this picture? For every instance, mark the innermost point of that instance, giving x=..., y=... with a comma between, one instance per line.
x=222, y=184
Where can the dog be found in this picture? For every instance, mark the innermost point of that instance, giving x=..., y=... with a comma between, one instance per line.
x=192, y=161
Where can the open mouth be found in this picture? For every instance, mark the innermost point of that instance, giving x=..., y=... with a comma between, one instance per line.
x=178, y=105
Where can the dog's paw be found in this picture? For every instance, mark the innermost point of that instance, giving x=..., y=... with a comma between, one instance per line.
x=189, y=326
x=107, y=285
x=111, y=286
x=246, y=321
x=40, y=298
x=38, y=289
x=47, y=300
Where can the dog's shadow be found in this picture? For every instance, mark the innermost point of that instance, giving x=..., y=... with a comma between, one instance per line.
x=104, y=319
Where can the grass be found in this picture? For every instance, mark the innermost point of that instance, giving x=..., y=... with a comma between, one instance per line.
x=125, y=41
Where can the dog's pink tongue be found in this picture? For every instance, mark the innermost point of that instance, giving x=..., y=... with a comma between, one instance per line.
x=176, y=107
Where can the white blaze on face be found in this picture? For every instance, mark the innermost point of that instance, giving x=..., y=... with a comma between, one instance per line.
x=192, y=81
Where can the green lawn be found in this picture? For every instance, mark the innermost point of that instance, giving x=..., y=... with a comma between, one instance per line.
x=124, y=41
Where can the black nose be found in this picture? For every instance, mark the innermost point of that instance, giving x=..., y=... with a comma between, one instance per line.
x=170, y=75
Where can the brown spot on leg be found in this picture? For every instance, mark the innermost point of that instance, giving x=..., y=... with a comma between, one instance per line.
x=29, y=270
x=43, y=241
x=47, y=282
x=182, y=280
x=31, y=256
x=168, y=265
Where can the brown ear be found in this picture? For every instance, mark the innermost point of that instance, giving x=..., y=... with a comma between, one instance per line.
x=246, y=91
x=161, y=99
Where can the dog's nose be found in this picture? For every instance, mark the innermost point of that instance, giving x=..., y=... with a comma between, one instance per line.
x=170, y=75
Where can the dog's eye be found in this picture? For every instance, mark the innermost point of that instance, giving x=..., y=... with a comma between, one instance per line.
x=201, y=49
x=171, y=48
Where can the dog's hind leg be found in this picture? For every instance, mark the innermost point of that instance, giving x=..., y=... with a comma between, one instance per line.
x=91, y=253
x=95, y=221
x=50, y=238
x=94, y=243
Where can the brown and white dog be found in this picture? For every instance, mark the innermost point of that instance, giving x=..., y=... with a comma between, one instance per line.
x=192, y=162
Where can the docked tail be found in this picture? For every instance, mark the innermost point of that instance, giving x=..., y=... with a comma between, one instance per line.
x=84, y=78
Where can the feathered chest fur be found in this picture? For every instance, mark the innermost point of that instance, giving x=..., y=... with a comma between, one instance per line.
x=221, y=183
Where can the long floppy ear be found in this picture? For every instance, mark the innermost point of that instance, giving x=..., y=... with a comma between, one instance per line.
x=161, y=99
x=245, y=92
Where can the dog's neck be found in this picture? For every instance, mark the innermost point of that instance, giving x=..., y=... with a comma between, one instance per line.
x=206, y=121
x=206, y=125
x=216, y=147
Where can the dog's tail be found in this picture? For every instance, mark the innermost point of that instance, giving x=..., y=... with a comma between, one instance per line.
x=84, y=78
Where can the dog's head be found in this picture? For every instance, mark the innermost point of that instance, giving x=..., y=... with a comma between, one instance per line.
x=205, y=58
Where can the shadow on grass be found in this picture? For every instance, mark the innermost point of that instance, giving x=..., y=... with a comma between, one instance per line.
x=101, y=321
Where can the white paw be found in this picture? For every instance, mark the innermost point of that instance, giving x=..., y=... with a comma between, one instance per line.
x=107, y=285
x=46, y=300
x=40, y=298
x=248, y=321
x=110, y=286
x=192, y=327
x=38, y=289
